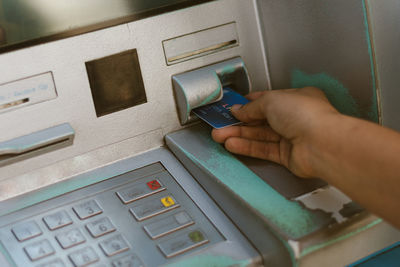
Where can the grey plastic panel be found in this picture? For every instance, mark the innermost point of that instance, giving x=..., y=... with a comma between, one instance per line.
x=221, y=236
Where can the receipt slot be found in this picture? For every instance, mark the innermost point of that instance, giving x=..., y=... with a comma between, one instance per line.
x=204, y=86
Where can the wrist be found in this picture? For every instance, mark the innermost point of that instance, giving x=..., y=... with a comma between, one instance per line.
x=324, y=141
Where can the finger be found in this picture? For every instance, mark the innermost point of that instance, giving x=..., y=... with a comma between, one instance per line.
x=257, y=149
x=260, y=133
x=254, y=95
x=253, y=111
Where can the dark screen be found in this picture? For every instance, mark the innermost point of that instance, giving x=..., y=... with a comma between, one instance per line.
x=116, y=82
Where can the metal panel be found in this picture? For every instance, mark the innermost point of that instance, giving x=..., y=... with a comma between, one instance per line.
x=323, y=44
x=385, y=25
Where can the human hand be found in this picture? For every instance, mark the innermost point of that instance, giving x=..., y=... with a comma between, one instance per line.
x=283, y=126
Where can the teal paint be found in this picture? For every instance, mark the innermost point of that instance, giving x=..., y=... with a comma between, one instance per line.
x=228, y=69
x=373, y=112
x=289, y=217
x=209, y=260
x=338, y=239
x=336, y=92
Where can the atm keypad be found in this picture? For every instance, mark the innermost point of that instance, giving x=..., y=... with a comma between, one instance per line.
x=88, y=231
x=70, y=238
x=154, y=207
x=100, y=227
x=26, y=230
x=114, y=245
x=57, y=220
x=170, y=224
x=83, y=257
x=39, y=250
x=140, y=190
x=87, y=209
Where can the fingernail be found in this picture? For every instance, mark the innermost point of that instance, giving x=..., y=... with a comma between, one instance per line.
x=236, y=107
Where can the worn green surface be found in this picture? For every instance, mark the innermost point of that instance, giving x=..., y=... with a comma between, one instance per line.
x=209, y=261
x=337, y=94
x=373, y=112
x=289, y=217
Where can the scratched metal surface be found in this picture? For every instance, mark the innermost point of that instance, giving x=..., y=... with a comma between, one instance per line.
x=324, y=44
x=385, y=25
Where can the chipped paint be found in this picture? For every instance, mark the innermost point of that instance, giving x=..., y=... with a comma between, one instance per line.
x=210, y=260
x=289, y=217
x=336, y=92
x=328, y=199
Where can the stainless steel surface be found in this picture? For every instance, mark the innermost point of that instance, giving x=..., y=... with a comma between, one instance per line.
x=324, y=44
x=224, y=239
x=200, y=43
x=36, y=143
x=385, y=29
x=204, y=86
x=128, y=132
x=25, y=20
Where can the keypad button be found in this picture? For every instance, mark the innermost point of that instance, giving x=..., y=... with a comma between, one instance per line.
x=154, y=207
x=140, y=190
x=182, y=243
x=87, y=209
x=57, y=220
x=26, y=230
x=114, y=245
x=70, y=238
x=168, y=225
x=100, y=227
x=53, y=263
x=128, y=261
x=83, y=257
x=38, y=250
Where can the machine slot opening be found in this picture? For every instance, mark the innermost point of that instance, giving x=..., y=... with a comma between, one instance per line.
x=11, y=155
x=203, y=50
x=14, y=103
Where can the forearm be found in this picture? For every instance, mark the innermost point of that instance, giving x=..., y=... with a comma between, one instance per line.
x=363, y=160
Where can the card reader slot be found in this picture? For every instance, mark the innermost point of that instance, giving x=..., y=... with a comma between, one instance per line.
x=36, y=143
x=203, y=50
x=14, y=103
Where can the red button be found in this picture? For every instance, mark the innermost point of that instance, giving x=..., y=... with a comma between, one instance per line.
x=154, y=185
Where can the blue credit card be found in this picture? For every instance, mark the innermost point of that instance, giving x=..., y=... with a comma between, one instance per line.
x=218, y=114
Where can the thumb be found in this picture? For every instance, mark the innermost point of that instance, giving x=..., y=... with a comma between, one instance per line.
x=253, y=111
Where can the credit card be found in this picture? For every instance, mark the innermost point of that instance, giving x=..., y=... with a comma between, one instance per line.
x=218, y=114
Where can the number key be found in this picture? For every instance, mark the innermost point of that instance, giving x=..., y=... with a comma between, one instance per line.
x=87, y=209
x=100, y=227
x=83, y=257
x=57, y=220
x=70, y=238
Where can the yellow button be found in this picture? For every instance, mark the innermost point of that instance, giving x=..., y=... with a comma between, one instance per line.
x=167, y=201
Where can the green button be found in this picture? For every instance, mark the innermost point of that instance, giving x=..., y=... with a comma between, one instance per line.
x=196, y=236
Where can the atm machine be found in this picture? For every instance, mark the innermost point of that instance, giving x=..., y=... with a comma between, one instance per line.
x=102, y=162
